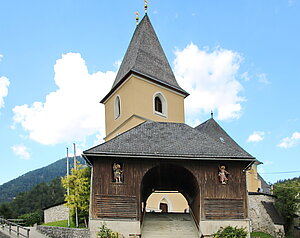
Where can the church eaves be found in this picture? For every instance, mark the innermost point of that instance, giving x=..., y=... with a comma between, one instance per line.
x=167, y=140
x=146, y=58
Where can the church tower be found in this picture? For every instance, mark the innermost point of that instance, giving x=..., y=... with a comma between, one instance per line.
x=145, y=88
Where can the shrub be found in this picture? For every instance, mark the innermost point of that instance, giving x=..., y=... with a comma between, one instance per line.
x=230, y=232
x=105, y=232
x=32, y=218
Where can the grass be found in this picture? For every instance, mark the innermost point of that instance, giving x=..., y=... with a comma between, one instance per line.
x=264, y=235
x=62, y=223
x=260, y=235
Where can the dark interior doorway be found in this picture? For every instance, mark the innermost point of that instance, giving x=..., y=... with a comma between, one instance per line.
x=163, y=207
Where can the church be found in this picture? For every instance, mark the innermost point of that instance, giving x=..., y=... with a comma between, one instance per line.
x=150, y=154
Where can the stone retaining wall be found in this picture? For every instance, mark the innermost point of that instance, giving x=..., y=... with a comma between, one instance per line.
x=63, y=232
x=260, y=219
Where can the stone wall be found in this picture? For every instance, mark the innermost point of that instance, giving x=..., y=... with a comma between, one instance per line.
x=259, y=217
x=63, y=232
x=56, y=213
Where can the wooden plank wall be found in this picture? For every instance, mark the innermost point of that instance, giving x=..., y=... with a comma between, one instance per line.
x=205, y=172
x=116, y=206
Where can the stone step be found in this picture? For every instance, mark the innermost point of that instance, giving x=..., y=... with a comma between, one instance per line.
x=165, y=225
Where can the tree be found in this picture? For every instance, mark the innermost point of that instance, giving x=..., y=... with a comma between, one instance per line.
x=78, y=198
x=288, y=199
x=5, y=211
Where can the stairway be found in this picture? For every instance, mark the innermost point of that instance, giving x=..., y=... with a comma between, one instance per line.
x=167, y=225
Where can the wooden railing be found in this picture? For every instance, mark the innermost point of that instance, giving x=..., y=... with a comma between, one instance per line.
x=14, y=227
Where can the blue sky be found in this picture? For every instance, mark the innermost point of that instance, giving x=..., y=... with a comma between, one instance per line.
x=59, y=58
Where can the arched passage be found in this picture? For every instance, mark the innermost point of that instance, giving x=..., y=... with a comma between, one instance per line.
x=172, y=177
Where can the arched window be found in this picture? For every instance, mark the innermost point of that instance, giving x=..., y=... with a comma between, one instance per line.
x=160, y=104
x=117, y=107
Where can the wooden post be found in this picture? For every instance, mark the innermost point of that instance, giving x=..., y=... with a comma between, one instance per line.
x=27, y=233
x=18, y=231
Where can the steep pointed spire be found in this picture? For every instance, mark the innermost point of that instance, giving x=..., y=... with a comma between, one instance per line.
x=145, y=57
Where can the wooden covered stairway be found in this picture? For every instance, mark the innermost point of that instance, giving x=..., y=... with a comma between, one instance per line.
x=165, y=225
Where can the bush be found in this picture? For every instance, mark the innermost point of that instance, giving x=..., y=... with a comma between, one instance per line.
x=32, y=218
x=230, y=232
x=105, y=232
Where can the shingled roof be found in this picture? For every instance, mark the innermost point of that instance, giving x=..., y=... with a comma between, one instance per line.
x=145, y=57
x=217, y=133
x=167, y=140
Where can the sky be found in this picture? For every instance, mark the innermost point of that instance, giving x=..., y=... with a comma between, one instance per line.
x=59, y=58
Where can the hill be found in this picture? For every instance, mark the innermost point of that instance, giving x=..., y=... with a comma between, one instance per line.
x=25, y=182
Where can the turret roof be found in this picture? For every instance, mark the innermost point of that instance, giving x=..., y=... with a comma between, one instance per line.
x=145, y=57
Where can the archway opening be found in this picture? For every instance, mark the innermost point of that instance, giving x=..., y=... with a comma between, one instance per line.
x=167, y=201
x=170, y=178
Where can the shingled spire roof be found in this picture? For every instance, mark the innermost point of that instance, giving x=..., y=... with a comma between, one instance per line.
x=145, y=57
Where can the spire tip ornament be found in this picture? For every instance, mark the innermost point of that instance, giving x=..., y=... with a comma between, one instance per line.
x=146, y=6
x=137, y=17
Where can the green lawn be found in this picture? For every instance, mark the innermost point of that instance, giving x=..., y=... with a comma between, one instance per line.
x=63, y=223
x=260, y=235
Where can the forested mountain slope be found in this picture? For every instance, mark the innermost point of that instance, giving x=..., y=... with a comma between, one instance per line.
x=27, y=181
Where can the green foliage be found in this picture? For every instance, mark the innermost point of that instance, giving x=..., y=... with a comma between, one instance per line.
x=5, y=211
x=32, y=218
x=78, y=183
x=105, y=232
x=288, y=199
x=260, y=235
x=9, y=190
x=230, y=232
x=39, y=197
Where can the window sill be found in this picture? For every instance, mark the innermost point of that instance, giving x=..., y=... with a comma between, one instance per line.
x=160, y=114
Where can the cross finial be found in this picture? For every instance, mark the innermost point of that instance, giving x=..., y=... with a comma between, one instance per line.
x=137, y=17
x=211, y=114
x=146, y=6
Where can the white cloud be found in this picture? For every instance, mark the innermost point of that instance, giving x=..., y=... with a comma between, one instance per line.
x=289, y=142
x=267, y=162
x=1, y=56
x=256, y=136
x=260, y=170
x=291, y=2
x=262, y=78
x=99, y=139
x=21, y=151
x=72, y=112
x=117, y=64
x=4, y=83
x=245, y=76
x=211, y=79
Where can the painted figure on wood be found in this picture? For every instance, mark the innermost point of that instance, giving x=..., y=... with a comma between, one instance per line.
x=117, y=173
x=223, y=174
